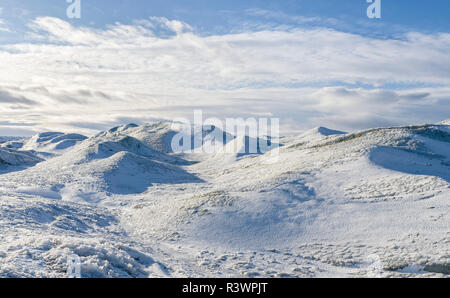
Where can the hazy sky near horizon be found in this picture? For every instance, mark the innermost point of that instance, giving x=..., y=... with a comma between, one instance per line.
x=309, y=63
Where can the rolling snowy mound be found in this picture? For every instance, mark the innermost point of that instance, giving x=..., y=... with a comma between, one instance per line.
x=11, y=142
x=157, y=136
x=130, y=207
x=16, y=158
x=52, y=141
x=320, y=132
x=110, y=143
x=110, y=162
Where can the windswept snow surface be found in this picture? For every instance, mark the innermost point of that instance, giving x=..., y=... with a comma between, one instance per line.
x=330, y=205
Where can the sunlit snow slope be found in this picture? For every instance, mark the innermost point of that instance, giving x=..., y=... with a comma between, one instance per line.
x=130, y=207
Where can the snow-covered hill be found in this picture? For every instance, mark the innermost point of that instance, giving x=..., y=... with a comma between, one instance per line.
x=52, y=141
x=10, y=157
x=129, y=206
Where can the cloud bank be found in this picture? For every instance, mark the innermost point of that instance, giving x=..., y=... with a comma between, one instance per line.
x=85, y=79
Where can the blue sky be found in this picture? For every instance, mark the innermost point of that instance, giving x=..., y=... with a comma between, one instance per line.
x=307, y=62
x=217, y=16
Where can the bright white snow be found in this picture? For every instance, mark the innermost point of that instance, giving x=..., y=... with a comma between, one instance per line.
x=130, y=207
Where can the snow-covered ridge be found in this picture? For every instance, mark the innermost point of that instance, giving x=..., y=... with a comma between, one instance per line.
x=129, y=206
x=321, y=131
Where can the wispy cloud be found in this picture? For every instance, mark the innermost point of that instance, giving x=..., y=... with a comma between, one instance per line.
x=286, y=18
x=8, y=98
x=3, y=27
x=160, y=68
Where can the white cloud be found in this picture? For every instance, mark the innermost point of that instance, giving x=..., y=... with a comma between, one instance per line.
x=89, y=78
